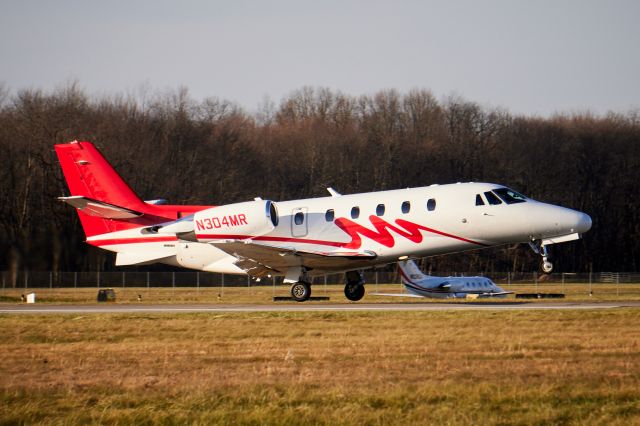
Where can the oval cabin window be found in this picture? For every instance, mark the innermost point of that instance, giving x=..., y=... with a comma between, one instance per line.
x=329, y=215
x=355, y=212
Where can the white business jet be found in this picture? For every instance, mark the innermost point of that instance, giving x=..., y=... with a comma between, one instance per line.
x=300, y=239
x=419, y=284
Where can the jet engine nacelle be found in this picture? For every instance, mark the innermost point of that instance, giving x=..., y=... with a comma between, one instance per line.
x=235, y=221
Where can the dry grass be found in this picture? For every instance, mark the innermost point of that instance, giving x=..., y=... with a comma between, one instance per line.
x=264, y=294
x=516, y=367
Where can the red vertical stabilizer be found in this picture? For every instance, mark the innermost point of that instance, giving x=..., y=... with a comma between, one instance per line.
x=90, y=175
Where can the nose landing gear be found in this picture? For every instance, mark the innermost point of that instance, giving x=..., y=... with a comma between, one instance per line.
x=541, y=249
x=546, y=266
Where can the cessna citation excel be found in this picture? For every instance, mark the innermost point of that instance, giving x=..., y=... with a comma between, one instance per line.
x=418, y=284
x=302, y=238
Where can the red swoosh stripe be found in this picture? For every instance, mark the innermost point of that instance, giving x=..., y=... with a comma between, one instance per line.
x=381, y=234
x=409, y=230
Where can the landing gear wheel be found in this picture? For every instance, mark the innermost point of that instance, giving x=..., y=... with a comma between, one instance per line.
x=541, y=249
x=354, y=292
x=301, y=291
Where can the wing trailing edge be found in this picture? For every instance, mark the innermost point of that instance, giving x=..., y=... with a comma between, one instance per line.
x=260, y=259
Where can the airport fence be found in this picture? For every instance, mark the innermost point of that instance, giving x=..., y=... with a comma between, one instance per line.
x=194, y=279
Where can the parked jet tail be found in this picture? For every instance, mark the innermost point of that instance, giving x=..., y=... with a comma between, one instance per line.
x=103, y=200
x=409, y=269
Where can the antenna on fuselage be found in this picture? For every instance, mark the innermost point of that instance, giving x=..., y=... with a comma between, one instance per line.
x=333, y=192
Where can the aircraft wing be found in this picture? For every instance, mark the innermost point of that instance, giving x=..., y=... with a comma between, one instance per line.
x=502, y=293
x=259, y=259
x=99, y=208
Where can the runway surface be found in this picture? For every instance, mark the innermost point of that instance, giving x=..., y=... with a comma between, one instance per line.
x=352, y=307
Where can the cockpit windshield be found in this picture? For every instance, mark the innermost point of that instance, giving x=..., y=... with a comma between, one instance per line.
x=509, y=196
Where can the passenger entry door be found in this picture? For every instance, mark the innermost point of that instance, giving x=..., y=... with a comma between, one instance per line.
x=299, y=222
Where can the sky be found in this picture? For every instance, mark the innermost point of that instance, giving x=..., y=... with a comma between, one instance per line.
x=529, y=57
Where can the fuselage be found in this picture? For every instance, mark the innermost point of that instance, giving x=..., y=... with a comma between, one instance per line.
x=384, y=225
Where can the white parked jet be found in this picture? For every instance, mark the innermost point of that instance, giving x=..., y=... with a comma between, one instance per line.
x=418, y=284
x=300, y=239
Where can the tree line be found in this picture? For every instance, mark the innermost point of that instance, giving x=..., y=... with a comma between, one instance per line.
x=167, y=145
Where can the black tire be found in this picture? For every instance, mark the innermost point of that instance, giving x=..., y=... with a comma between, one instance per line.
x=301, y=291
x=354, y=292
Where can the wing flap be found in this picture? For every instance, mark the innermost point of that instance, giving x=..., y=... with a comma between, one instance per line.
x=259, y=259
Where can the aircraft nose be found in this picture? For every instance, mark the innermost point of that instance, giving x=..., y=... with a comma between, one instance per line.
x=557, y=221
x=583, y=223
x=575, y=221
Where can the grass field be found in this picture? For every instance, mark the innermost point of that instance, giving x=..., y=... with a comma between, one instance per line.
x=264, y=294
x=489, y=367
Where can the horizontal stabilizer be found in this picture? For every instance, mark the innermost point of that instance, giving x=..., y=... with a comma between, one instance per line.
x=99, y=208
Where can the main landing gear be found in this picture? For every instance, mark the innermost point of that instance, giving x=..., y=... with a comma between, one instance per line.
x=541, y=249
x=301, y=291
x=354, y=288
x=301, y=287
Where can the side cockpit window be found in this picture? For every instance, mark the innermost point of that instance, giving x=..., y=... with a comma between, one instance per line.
x=492, y=198
x=479, y=200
